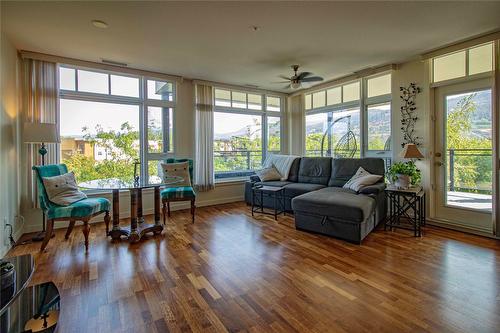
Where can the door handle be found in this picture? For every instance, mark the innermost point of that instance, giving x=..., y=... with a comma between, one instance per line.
x=437, y=154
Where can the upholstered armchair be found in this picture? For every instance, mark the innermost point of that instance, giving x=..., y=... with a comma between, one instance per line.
x=82, y=210
x=180, y=193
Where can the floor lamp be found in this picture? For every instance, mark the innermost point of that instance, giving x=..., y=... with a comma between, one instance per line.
x=41, y=133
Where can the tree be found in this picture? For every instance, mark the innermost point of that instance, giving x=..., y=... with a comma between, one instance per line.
x=470, y=170
x=121, y=148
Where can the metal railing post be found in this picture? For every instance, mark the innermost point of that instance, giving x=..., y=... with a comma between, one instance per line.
x=452, y=170
x=248, y=159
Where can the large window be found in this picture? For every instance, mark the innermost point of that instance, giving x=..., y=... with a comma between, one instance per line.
x=378, y=115
x=335, y=117
x=247, y=126
x=379, y=127
x=108, y=121
x=334, y=133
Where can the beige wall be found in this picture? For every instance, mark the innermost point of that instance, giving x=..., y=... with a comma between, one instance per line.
x=417, y=72
x=9, y=143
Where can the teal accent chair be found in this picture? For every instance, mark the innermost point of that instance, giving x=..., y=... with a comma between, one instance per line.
x=82, y=210
x=181, y=193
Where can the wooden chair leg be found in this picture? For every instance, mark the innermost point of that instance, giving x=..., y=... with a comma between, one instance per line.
x=70, y=228
x=107, y=219
x=48, y=234
x=193, y=207
x=168, y=208
x=86, y=231
x=164, y=212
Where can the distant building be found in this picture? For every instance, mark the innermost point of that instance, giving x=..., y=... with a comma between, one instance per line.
x=76, y=145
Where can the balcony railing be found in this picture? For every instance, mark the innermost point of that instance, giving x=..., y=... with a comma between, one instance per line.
x=470, y=165
x=237, y=163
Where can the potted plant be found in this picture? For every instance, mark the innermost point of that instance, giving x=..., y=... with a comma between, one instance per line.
x=404, y=174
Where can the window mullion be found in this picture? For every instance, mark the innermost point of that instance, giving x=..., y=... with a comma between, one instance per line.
x=109, y=84
x=264, y=137
x=76, y=79
x=363, y=121
x=165, y=123
x=143, y=138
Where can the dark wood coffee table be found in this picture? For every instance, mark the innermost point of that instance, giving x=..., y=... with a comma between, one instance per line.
x=138, y=228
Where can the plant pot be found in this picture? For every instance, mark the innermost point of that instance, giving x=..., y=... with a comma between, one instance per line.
x=403, y=181
x=7, y=282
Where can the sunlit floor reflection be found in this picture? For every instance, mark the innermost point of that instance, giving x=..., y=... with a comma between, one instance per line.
x=469, y=282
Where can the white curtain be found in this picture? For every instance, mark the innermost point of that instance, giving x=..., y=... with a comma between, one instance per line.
x=40, y=105
x=204, y=136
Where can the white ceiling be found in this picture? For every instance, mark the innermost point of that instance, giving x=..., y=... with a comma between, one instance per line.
x=214, y=41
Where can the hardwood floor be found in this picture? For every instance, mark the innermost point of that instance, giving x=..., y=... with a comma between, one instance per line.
x=231, y=272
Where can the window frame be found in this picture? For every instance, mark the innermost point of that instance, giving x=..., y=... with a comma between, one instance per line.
x=467, y=76
x=142, y=102
x=263, y=113
x=372, y=101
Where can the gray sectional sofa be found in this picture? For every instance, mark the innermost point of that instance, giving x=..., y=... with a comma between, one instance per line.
x=314, y=192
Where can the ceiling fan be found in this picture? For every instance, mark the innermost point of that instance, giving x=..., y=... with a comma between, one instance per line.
x=297, y=79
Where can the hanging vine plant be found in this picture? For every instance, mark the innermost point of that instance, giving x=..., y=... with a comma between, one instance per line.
x=409, y=114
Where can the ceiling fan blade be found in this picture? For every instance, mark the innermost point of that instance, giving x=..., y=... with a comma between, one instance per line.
x=312, y=79
x=303, y=75
x=288, y=86
x=284, y=77
x=281, y=81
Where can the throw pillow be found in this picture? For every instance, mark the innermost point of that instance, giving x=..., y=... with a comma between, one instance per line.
x=267, y=174
x=361, y=178
x=179, y=172
x=62, y=190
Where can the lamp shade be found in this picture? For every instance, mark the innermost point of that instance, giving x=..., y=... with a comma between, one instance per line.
x=411, y=151
x=40, y=133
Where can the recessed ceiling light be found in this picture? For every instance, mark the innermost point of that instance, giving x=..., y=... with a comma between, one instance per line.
x=99, y=24
x=255, y=27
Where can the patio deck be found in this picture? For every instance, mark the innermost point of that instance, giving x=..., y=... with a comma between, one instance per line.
x=470, y=200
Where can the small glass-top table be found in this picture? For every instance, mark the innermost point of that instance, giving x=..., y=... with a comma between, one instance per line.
x=138, y=228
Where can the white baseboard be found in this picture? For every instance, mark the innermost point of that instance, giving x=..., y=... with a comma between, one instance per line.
x=454, y=226
x=35, y=227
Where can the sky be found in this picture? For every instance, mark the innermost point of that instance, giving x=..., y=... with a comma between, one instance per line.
x=75, y=114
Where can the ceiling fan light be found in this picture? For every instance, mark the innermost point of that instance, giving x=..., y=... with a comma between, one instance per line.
x=295, y=85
